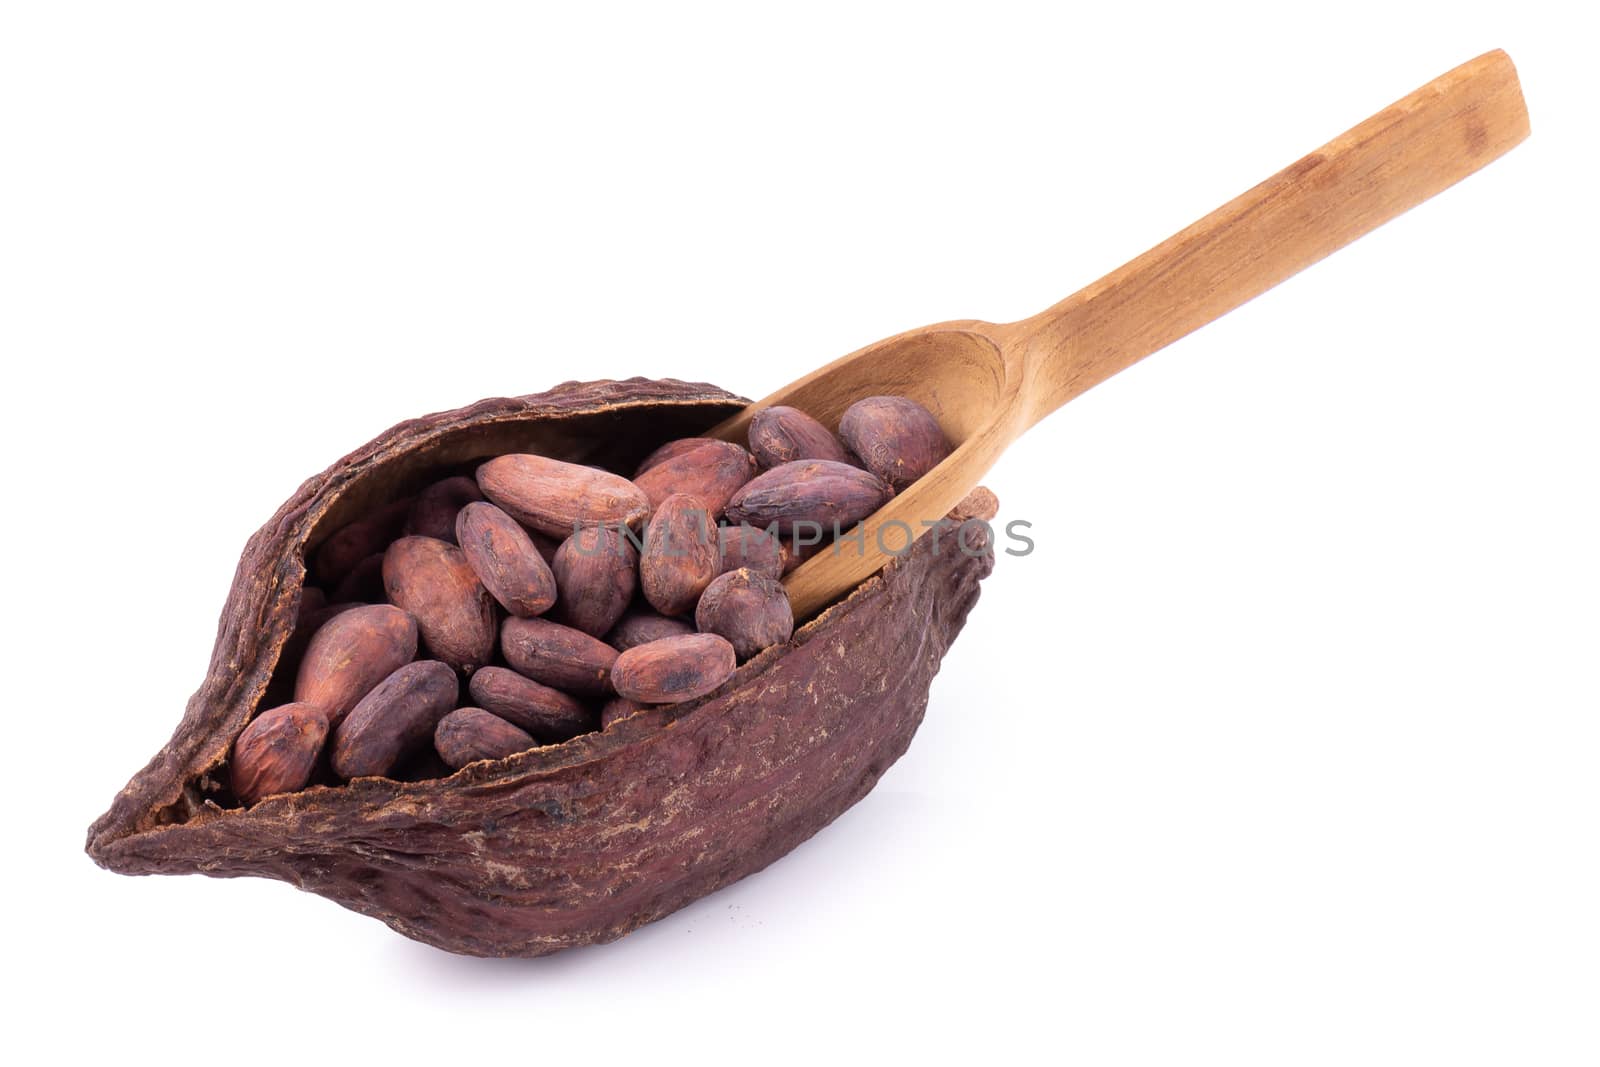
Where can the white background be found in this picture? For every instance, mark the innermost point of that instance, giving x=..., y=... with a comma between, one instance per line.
x=1282, y=748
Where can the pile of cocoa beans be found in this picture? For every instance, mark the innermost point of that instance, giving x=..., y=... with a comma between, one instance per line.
x=561, y=597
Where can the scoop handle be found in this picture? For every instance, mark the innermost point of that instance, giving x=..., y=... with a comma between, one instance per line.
x=1416, y=147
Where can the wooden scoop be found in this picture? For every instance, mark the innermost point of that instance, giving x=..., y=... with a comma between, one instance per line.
x=988, y=383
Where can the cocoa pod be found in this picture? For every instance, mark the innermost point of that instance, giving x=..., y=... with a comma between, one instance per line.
x=432, y=580
x=577, y=829
x=780, y=435
x=433, y=513
x=557, y=655
x=350, y=654
x=814, y=493
x=546, y=713
x=394, y=719
x=750, y=610
x=354, y=542
x=895, y=437
x=504, y=558
x=556, y=498
x=596, y=572
x=673, y=669
x=680, y=555
x=277, y=751
x=712, y=472
x=364, y=583
x=669, y=450
x=616, y=709
x=641, y=625
x=747, y=547
x=467, y=735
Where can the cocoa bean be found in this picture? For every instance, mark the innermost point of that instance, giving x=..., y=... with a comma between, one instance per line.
x=354, y=542
x=394, y=719
x=556, y=498
x=616, y=709
x=670, y=449
x=350, y=654
x=680, y=554
x=810, y=494
x=596, y=571
x=558, y=655
x=455, y=615
x=895, y=437
x=750, y=610
x=780, y=435
x=546, y=713
x=504, y=558
x=712, y=472
x=745, y=546
x=433, y=514
x=641, y=625
x=673, y=669
x=467, y=735
x=277, y=751
x=312, y=600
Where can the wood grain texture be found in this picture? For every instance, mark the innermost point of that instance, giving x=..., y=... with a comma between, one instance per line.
x=988, y=383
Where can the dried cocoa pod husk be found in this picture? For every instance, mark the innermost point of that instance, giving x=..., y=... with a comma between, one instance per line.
x=641, y=624
x=278, y=751
x=597, y=572
x=393, y=720
x=467, y=735
x=570, y=844
x=895, y=438
x=669, y=450
x=505, y=559
x=711, y=472
x=750, y=610
x=809, y=495
x=673, y=669
x=545, y=712
x=556, y=497
x=433, y=513
x=558, y=656
x=782, y=434
x=432, y=580
x=680, y=554
x=351, y=653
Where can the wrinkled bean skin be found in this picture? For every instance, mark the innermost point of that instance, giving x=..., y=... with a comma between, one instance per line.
x=455, y=615
x=674, y=669
x=467, y=735
x=505, y=559
x=750, y=548
x=669, y=450
x=750, y=610
x=278, y=751
x=711, y=472
x=895, y=437
x=556, y=498
x=393, y=720
x=351, y=653
x=809, y=493
x=597, y=572
x=546, y=713
x=780, y=435
x=680, y=555
x=642, y=625
x=558, y=656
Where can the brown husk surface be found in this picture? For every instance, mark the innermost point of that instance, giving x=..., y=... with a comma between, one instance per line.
x=574, y=843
